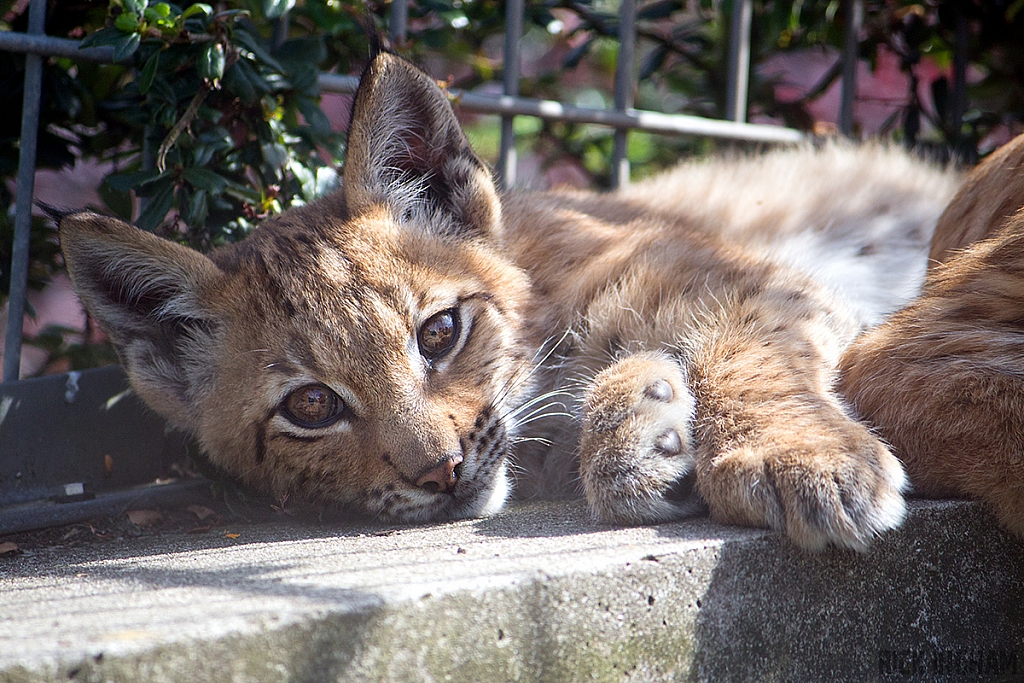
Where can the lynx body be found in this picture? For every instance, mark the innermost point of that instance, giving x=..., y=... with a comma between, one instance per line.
x=673, y=345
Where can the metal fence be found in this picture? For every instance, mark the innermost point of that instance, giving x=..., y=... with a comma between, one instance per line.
x=623, y=117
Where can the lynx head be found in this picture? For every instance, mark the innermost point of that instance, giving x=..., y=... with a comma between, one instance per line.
x=363, y=349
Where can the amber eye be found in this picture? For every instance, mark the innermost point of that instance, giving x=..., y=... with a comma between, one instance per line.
x=313, y=406
x=439, y=334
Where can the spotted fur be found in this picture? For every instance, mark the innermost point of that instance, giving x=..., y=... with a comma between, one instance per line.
x=660, y=349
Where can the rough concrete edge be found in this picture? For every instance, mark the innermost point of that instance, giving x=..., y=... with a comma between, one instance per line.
x=637, y=621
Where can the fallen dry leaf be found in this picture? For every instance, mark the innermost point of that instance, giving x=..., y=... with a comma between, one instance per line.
x=200, y=511
x=145, y=517
x=8, y=547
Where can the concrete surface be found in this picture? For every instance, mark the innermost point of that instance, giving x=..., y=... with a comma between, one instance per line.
x=539, y=593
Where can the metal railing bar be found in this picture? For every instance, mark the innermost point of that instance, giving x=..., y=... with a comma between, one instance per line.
x=853, y=15
x=398, y=20
x=30, y=109
x=739, y=60
x=14, y=41
x=624, y=91
x=650, y=121
x=510, y=87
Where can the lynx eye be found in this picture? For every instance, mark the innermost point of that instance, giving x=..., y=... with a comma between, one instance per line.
x=438, y=335
x=313, y=406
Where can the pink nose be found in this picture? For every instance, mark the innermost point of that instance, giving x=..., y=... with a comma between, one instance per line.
x=442, y=477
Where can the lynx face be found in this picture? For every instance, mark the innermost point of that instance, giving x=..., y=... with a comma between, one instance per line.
x=364, y=349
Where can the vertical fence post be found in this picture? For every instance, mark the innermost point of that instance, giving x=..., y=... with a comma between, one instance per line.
x=510, y=81
x=739, y=60
x=398, y=20
x=624, y=90
x=26, y=188
x=961, y=40
x=853, y=16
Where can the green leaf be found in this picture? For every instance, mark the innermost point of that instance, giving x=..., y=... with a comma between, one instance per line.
x=205, y=179
x=149, y=72
x=660, y=9
x=275, y=155
x=236, y=81
x=118, y=201
x=211, y=62
x=127, y=22
x=136, y=7
x=126, y=47
x=309, y=51
x=196, y=210
x=255, y=46
x=198, y=8
x=134, y=180
x=573, y=57
x=653, y=61
x=157, y=208
x=106, y=36
x=272, y=9
x=314, y=116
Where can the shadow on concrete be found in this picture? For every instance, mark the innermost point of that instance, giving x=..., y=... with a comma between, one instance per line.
x=941, y=599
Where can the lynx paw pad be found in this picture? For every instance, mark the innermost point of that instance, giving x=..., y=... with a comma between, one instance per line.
x=635, y=450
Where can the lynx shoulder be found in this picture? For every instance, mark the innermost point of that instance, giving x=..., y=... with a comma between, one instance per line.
x=657, y=350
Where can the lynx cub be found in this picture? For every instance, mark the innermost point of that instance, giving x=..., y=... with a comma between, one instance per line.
x=669, y=346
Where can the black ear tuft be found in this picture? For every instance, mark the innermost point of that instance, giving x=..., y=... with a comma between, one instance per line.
x=407, y=153
x=378, y=41
x=54, y=213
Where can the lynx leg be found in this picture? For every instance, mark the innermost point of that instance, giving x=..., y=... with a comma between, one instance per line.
x=943, y=378
x=776, y=449
x=636, y=448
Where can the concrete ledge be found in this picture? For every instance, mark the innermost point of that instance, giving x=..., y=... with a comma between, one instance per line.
x=539, y=593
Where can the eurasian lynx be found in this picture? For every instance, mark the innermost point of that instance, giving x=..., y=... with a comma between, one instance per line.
x=662, y=348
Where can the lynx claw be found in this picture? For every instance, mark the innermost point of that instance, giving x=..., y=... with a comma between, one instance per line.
x=636, y=453
x=817, y=499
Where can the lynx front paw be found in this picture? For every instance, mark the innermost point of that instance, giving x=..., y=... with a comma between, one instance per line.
x=636, y=449
x=820, y=483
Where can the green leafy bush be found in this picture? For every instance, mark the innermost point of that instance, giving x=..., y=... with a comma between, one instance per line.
x=211, y=118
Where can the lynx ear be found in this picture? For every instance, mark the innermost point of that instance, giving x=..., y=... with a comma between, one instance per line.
x=991, y=194
x=406, y=151
x=147, y=294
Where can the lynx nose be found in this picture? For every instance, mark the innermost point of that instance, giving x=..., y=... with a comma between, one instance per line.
x=442, y=477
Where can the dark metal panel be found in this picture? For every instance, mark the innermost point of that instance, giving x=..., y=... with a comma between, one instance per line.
x=85, y=430
x=45, y=513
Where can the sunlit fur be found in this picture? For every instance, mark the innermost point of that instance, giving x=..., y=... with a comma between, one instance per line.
x=690, y=326
x=943, y=379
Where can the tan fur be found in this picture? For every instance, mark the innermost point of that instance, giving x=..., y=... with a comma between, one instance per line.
x=666, y=347
x=990, y=195
x=943, y=379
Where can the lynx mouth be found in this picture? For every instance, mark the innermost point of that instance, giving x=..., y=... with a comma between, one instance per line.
x=481, y=488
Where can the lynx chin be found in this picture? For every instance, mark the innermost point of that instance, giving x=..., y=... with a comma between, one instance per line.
x=417, y=343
